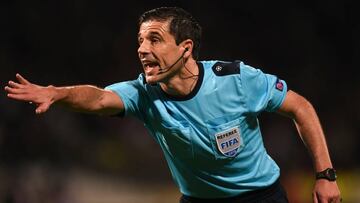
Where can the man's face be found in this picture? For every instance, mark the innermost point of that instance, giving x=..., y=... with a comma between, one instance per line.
x=157, y=48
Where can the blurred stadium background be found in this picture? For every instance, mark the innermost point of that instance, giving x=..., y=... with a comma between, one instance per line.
x=65, y=157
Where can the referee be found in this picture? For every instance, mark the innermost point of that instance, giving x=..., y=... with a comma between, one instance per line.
x=203, y=114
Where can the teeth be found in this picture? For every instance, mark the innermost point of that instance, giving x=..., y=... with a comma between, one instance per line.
x=153, y=64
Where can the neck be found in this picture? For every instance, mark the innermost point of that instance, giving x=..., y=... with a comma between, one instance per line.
x=183, y=81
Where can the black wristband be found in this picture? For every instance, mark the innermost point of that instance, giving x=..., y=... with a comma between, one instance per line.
x=329, y=174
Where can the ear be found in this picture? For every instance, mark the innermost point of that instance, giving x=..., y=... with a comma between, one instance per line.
x=188, y=47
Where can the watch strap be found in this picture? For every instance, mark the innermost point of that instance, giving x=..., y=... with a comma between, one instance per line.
x=329, y=174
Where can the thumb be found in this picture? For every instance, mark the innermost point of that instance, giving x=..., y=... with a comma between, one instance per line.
x=42, y=108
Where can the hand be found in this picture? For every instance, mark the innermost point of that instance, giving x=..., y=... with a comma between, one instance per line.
x=326, y=192
x=24, y=90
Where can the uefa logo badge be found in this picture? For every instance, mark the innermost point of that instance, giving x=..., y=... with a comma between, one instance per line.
x=218, y=68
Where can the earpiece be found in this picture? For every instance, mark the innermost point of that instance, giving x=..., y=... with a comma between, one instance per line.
x=166, y=69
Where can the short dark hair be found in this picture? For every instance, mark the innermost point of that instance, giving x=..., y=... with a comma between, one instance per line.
x=182, y=25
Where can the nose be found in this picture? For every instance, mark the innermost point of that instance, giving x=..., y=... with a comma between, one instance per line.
x=143, y=49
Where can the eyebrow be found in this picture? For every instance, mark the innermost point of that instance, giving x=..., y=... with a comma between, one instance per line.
x=152, y=33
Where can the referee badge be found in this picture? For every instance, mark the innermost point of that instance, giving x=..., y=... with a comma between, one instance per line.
x=229, y=141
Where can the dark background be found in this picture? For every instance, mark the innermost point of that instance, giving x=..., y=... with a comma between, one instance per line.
x=313, y=45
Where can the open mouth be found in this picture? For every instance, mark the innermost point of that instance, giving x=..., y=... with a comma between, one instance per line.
x=153, y=64
x=151, y=67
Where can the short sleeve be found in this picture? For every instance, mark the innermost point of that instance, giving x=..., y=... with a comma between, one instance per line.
x=131, y=94
x=264, y=92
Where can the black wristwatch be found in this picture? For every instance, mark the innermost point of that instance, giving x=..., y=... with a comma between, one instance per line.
x=329, y=174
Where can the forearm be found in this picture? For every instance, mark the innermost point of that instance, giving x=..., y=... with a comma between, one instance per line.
x=82, y=98
x=308, y=125
x=310, y=130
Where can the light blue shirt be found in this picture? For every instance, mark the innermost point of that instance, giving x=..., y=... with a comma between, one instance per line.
x=211, y=138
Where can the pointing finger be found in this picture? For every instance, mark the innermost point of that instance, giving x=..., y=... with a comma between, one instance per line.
x=14, y=84
x=19, y=97
x=15, y=90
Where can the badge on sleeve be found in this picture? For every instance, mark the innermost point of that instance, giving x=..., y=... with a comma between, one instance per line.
x=279, y=85
x=229, y=141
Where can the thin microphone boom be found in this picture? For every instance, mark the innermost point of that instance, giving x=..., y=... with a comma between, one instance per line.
x=164, y=70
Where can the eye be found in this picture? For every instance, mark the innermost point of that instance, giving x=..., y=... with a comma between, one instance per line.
x=140, y=41
x=155, y=40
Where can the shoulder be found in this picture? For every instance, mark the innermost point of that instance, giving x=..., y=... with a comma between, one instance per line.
x=223, y=68
x=236, y=67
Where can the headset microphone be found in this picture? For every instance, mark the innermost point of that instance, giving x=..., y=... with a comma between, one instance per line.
x=164, y=70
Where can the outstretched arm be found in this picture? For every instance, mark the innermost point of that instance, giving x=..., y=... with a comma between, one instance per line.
x=310, y=130
x=83, y=98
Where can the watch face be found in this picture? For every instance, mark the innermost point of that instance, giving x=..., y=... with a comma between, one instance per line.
x=331, y=174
